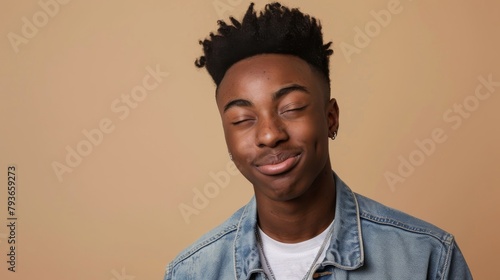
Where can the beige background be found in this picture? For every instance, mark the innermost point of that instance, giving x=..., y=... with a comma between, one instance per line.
x=116, y=214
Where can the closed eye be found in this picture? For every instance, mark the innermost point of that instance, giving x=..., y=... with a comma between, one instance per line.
x=240, y=121
x=294, y=109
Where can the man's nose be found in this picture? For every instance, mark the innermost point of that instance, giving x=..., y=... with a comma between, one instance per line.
x=271, y=131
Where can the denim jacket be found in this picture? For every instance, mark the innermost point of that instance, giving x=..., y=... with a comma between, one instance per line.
x=369, y=241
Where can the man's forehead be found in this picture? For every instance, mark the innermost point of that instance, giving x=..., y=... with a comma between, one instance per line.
x=254, y=72
x=269, y=66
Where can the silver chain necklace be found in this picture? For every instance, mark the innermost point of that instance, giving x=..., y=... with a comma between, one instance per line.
x=307, y=276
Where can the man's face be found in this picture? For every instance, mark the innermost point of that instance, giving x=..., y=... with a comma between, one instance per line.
x=277, y=118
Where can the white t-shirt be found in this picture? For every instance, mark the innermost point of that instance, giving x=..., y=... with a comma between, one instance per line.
x=290, y=261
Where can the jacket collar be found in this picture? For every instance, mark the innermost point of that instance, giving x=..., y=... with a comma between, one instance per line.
x=346, y=246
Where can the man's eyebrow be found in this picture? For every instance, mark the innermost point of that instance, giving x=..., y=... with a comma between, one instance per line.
x=286, y=90
x=238, y=102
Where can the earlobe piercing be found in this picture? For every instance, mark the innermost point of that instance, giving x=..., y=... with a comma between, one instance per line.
x=334, y=135
x=230, y=156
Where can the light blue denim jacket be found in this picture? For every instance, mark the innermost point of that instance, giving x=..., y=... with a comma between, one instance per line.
x=369, y=241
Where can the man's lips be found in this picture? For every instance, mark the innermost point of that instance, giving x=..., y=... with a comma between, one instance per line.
x=278, y=163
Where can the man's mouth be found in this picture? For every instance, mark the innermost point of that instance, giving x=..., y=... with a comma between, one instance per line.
x=278, y=163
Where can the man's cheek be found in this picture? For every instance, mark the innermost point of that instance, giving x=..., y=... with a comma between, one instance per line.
x=303, y=132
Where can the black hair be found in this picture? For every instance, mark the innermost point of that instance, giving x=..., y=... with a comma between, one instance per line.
x=277, y=29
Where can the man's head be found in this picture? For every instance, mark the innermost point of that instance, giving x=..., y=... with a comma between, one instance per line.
x=273, y=93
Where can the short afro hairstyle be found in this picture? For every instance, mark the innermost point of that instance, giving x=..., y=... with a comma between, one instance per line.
x=277, y=30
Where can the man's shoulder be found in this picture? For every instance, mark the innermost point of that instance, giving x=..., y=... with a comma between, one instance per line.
x=385, y=216
x=218, y=237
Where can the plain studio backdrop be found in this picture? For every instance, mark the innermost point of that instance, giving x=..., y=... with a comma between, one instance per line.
x=119, y=151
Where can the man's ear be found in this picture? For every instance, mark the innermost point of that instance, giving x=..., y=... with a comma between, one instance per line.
x=333, y=117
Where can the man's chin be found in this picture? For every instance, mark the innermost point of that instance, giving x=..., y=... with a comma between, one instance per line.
x=281, y=188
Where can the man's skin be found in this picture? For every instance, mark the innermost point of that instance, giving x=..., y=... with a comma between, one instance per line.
x=277, y=118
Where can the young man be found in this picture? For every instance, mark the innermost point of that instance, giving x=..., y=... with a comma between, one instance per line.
x=273, y=94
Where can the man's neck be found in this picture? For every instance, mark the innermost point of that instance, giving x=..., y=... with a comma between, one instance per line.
x=302, y=218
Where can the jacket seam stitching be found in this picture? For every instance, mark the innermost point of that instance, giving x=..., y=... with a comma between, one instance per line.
x=446, y=239
x=442, y=270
